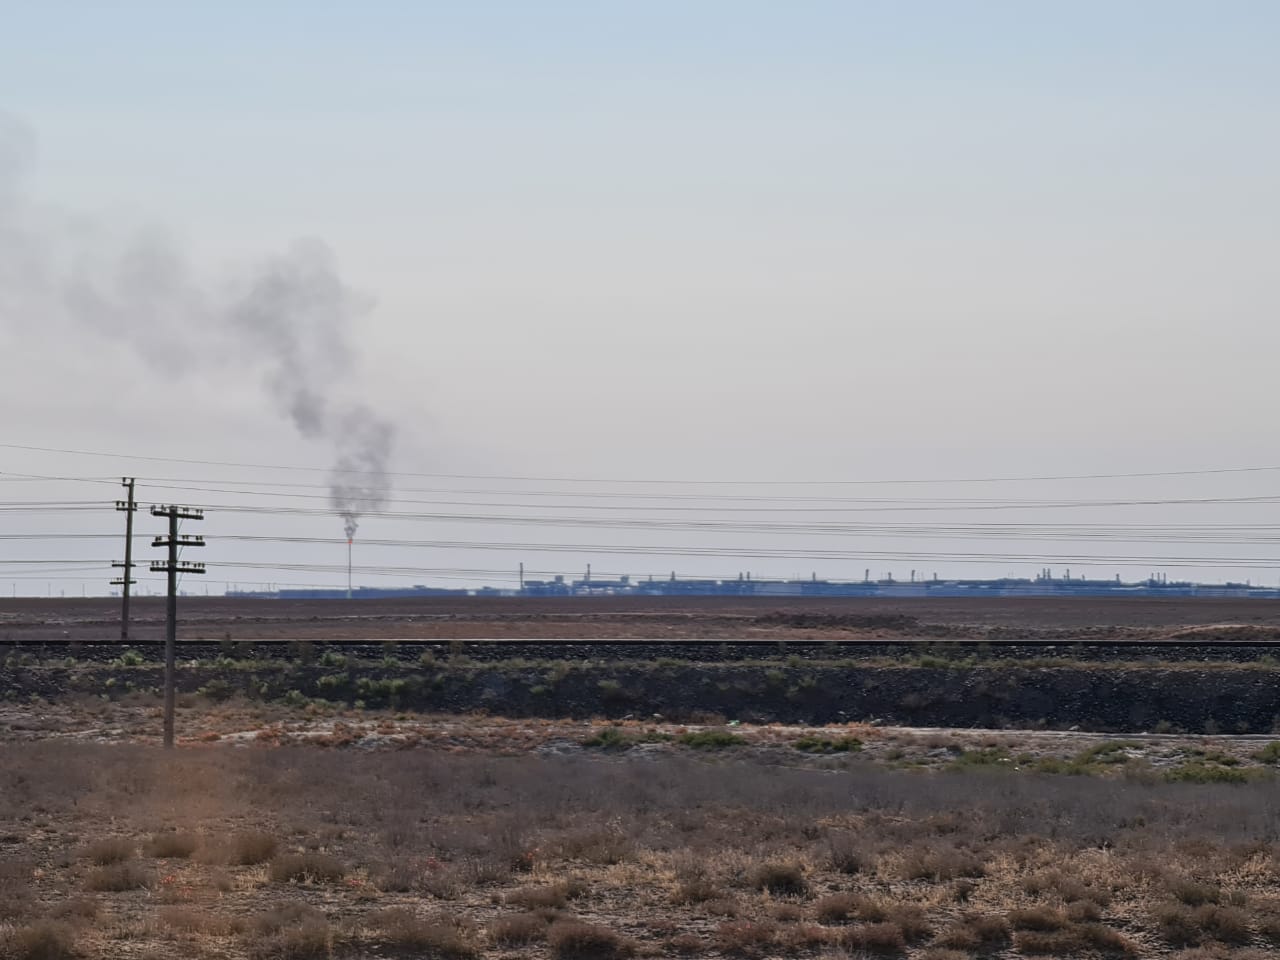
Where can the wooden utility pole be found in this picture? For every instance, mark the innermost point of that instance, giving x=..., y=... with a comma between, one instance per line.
x=126, y=579
x=172, y=567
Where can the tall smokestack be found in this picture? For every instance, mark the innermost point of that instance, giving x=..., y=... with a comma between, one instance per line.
x=349, y=539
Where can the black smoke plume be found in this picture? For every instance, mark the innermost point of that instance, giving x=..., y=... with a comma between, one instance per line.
x=290, y=318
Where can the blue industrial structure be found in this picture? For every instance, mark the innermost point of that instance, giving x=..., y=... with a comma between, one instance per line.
x=1044, y=585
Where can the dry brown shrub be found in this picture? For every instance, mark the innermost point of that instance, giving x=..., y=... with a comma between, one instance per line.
x=911, y=920
x=942, y=953
x=109, y=850
x=289, y=914
x=483, y=871
x=1073, y=940
x=118, y=877
x=940, y=864
x=307, y=868
x=1106, y=940
x=1228, y=924
x=786, y=912
x=802, y=938
x=1051, y=943
x=1039, y=918
x=555, y=895
x=247, y=849
x=1084, y=911
x=696, y=890
x=837, y=908
x=16, y=892
x=745, y=938
x=687, y=945
x=192, y=920
x=446, y=884
x=722, y=907
x=517, y=930
x=780, y=879
x=974, y=931
x=442, y=936
x=1181, y=925
x=879, y=938
x=575, y=940
x=593, y=845
x=309, y=940
x=1268, y=925
x=77, y=908
x=398, y=877
x=1177, y=924
x=171, y=846
x=1070, y=889
x=1192, y=892
x=42, y=940
x=847, y=854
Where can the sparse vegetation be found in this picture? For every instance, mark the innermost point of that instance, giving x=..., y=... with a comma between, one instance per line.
x=828, y=745
x=306, y=868
x=171, y=846
x=710, y=739
x=42, y=940
x=495, y=836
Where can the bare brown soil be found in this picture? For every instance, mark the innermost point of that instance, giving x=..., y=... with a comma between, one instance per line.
x=1138, y=619
x=320, y=830
x=297, y=834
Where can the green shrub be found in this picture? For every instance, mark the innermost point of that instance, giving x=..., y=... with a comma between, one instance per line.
x=1196, y=771
x=1109, y=751
x=986, y=757
x=710, y=739
x=1269, y=754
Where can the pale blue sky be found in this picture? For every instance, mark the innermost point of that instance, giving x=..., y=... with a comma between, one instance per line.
x=756, y=240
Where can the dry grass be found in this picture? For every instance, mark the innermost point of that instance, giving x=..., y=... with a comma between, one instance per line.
x=42, y=940
x=246, y=849
x=441, y=936
x=780, y=879
x=119, y=877
x=109, y=850
x=518, y=930
x=353, y=853
x=574, y=940
x=171, y=846
x=555, y=895
x=306, y=868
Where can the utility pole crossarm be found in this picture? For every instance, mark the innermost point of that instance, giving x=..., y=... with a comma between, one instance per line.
x=159, y=566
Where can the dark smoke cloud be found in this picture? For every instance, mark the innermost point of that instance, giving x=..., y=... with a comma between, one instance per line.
x=359, y=483
x=290, y=317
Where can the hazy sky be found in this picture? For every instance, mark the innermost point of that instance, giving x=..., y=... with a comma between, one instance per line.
x=661, y=241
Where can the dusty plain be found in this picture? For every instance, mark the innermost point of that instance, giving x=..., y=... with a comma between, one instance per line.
x=292, y=825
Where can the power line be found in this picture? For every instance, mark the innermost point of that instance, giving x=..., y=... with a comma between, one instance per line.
x=653, y=481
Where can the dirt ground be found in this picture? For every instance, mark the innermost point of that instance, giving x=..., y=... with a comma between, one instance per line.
x=314, y=830
x=1113, y=618
x=307, y=834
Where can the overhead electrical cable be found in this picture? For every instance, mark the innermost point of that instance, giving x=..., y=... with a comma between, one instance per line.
x=655, y=481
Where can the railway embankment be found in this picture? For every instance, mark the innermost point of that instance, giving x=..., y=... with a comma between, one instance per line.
x=1226, y=692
